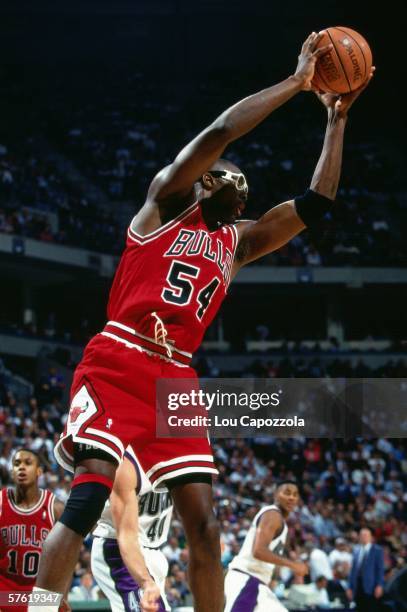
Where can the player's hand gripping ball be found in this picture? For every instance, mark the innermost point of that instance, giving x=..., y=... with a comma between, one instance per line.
x=346, y=66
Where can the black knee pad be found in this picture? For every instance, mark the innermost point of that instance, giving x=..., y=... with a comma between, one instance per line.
x=85, y=505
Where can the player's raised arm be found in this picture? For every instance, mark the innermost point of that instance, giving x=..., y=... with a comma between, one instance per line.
x=270, y=526
x=280, y=224
x=177, y=180
x=124, y=507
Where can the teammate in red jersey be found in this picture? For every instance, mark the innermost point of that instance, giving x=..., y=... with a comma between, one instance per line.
x=27, y=514
x=183, y=247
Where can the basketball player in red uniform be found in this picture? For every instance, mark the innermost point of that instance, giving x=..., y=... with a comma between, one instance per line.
x=27, y=515
x=183, y=248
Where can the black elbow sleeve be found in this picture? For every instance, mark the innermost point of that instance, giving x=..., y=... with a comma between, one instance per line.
x=311, y=207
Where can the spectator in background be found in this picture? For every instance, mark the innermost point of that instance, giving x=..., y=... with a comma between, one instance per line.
x=396, y=592
x=174, y=598
x=312, y=454
x=324, y=524
x=178, y=581
x=56, y=383
x=172, y=551
x=86, y=590
x=42, y=444
x=318, y=562
x=340, y=554
x=338, y=586
x=367, y=573
x=320, y=588
x=312, y=257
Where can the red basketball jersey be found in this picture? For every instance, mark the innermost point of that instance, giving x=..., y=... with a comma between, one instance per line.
x=180, y=272
x=22, y=533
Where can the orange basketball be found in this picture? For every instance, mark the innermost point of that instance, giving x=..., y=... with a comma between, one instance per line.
x=347, y=65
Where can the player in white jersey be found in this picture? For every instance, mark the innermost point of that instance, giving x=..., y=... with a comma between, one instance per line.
x=250, y=572
x=114, y=564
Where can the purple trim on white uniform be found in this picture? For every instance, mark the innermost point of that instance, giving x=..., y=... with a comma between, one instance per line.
x=246, y=601
x=256, y=524
x=136, y=467
x=123, y=581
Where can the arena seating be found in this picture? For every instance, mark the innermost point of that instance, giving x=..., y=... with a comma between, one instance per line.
x=345, y=484
x=119, y=145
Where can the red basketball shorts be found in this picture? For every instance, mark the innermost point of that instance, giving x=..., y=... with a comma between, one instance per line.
x=113, y=405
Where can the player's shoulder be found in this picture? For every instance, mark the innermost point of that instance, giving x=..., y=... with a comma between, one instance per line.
x=143, y=483
x=56, y=507
x=6, y=493
x=241, y=229
x=269, y=513
x=2, y=493
x=156, y=184
x=155, y=219
x=241, y=225
x=7, y=501
x=49, y=496
x=131, y=456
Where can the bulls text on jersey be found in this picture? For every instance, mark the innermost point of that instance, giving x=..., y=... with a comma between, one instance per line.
x=24, y=535
x=190, y=243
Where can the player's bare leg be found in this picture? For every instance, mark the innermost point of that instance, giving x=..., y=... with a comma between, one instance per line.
x=194, y=503
x=61, y=549
x=59, y=556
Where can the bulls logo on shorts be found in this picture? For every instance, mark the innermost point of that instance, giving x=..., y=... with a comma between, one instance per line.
x=82, y=408
x=75, y=411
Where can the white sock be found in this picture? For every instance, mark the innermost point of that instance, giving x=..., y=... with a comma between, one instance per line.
x=42, y=601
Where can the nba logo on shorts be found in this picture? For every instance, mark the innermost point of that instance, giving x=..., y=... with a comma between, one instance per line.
x=82, y=407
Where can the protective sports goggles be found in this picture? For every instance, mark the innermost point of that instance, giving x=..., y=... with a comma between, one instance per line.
x=235, y=178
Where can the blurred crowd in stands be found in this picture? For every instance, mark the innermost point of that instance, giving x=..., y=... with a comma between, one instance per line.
x=37, y=202
x=119, y=145
x=293, y=367
x=278, y=359
x=345, y=485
